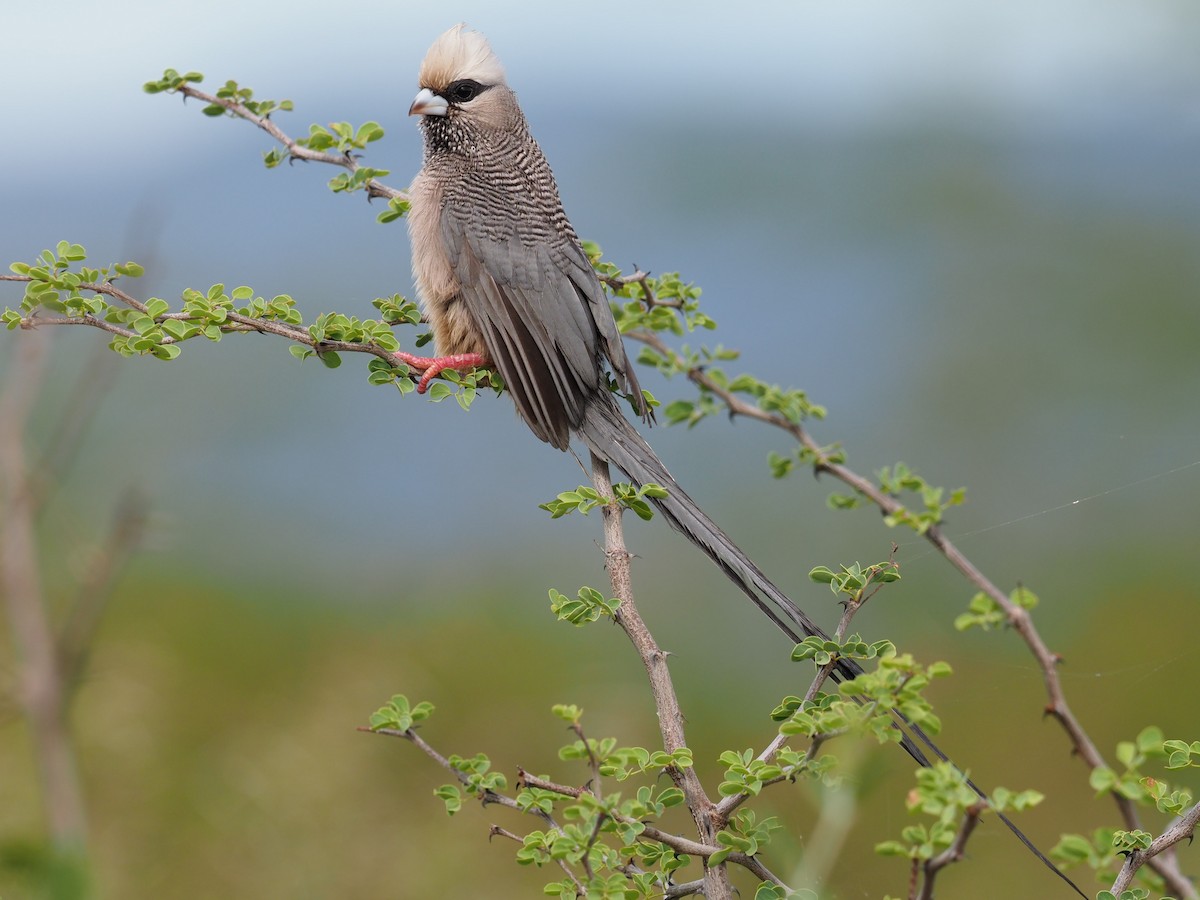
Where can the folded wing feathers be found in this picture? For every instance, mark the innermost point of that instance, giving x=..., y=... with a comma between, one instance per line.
x=536, y=327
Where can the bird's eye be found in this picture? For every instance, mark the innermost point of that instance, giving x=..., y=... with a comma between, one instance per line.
x=463, y=91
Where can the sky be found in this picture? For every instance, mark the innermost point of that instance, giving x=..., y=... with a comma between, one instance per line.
x=830, y=61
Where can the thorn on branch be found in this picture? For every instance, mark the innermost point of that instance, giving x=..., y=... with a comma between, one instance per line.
x=497, y=831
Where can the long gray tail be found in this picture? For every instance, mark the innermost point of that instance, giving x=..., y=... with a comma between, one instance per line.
x=609, y=435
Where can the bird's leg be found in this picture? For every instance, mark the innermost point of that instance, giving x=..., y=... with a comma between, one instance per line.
x=432, y=366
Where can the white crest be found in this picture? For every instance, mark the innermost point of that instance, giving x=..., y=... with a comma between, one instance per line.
x=458, y=54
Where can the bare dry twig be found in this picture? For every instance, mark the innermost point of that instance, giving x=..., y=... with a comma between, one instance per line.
x=41, y=693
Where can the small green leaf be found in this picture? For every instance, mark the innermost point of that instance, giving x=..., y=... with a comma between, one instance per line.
x=166, y=351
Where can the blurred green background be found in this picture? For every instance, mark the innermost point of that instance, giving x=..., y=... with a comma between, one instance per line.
x=970, y=232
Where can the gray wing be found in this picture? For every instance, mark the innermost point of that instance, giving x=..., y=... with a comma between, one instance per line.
x=542, y=312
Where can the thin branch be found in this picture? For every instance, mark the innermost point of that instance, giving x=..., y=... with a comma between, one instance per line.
x=728, y=805
x=585, y=860
x=641, y=279
x=650, y=832
x=670, y=718
x=528, y=779
x=687, y=889
x=593, y=761
x=1182, y=829
x=235, y=322
x=40, y=688
x=75, y=637
x=497, y=831
x=66, y=437
x=489, y=797
x=954, y=852
x=755, y=865
x=347, y=161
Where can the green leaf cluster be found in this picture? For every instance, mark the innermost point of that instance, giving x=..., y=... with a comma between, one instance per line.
x=348, y=182
x=943, y=794
x=818, y=457
x=337, y=137
x=662, y=303
x=745, y=834
x=791, y=404
x=480, y=780
x=244, y=96
x=584, y=499
x=897, y=683
x=352, y=330
x=1102, y=853
x=171, y=81
x=854, y=580
x=984, y=612
x=1182, y=755
x=1133, y=755
x=477, y=780
x=669, y=304
x=1104, y=849
x=587, y=821
x=747, y=774
x=590, y=817
x=895, y=481
x=342, y=137
x=89, y=296
x=398, y=714
x=397, y=310
x=599, y=837
x=823, y=651
x=55, y=287
x=625, y=762
x=586, y=606
x=397, y=208
x=899, y=479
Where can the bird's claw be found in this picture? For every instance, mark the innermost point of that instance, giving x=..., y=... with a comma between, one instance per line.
x=432, y=366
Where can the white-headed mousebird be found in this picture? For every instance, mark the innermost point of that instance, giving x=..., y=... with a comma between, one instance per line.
x=504, y=282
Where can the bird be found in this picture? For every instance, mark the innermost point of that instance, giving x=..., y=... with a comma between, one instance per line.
x=504, y=282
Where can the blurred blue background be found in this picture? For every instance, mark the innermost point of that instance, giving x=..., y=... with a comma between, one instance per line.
x=970, y=232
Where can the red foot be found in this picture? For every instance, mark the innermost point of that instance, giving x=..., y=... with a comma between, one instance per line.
x=432, y=366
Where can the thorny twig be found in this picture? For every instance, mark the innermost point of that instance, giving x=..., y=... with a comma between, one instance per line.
x=375, y=188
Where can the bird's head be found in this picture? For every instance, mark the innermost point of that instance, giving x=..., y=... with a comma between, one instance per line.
x=461, y=78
